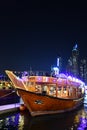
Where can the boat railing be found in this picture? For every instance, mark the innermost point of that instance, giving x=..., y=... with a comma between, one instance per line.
x=36, y=73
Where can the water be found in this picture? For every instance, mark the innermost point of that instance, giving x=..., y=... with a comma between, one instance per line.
x=76, y=120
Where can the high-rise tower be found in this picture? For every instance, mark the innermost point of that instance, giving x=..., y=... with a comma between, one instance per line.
x=75, y=54
x=72, y=67
x=83, y=70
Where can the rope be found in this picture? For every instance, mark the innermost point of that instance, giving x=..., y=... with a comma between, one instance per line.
x=7, y=94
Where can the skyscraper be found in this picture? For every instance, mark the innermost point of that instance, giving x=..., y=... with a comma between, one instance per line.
x=83, y=70
x=75, y=54
x=72, y=67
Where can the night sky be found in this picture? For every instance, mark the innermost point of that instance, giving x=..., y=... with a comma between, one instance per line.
x=33, y=34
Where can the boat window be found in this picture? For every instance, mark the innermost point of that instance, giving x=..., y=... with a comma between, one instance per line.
x=38, y=88
x=64, y=88
x=59, y=88
x=52, y=88
x=29, y=83
x=44, y=88
x=80, y=89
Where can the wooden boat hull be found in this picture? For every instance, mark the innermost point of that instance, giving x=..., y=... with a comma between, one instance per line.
x=39, y=104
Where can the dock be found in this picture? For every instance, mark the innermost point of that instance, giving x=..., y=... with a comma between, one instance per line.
x=9, y=108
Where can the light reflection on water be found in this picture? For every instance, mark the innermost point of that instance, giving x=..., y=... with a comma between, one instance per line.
x=76, y=120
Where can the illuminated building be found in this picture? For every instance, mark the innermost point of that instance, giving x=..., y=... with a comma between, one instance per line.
x=75, y=53
x=77, y=67
x=83, y=70
x=72, y=67
x=69, y=66
x=59, y=63
x=56, y=69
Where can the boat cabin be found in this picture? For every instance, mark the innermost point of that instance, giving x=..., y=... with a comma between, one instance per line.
x=55, y=87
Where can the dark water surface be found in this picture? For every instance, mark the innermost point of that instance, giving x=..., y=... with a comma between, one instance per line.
x=76, y=120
